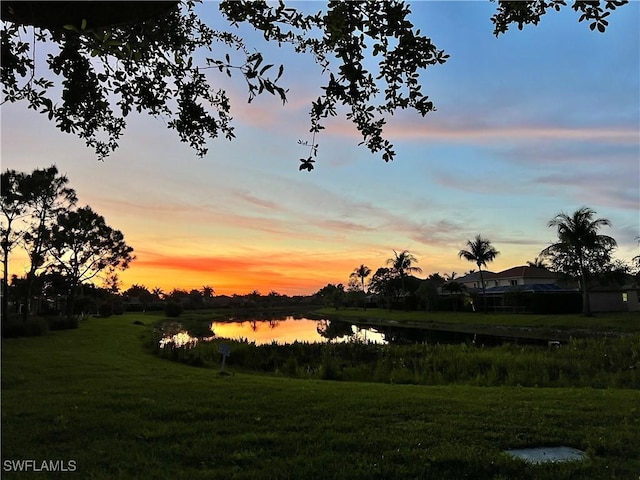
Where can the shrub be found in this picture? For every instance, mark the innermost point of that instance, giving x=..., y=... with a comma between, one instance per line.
x=63, y=323
x=173, y=309
x=34, y=327
x=105, y=310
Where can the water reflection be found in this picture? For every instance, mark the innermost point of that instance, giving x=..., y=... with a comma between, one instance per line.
x=290, y=330
x=174, y=336
x=180, y=339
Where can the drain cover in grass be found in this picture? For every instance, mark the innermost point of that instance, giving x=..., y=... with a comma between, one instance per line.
x=547, y=454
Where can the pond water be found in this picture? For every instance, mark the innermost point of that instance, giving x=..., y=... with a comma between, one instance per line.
x=286, y=330
x=282, y=331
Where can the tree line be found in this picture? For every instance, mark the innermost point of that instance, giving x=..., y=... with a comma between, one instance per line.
x=581, y=253
x=66, y=245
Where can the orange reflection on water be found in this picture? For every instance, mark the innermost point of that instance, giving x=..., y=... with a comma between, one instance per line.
x=287, y=330
x=261, y=331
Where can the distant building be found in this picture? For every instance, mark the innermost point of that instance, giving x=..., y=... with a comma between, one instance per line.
x=513, y=290
x=524, y=275
x=631, y=296
x=519, y=289
x=472, y=280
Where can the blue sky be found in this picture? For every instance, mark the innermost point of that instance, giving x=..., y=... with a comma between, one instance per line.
x=527, y=125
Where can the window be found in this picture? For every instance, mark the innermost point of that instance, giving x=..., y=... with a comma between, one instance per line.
x=625, y=297
x=514, y=283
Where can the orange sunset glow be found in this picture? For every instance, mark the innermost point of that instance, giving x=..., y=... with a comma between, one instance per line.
x=515, y=140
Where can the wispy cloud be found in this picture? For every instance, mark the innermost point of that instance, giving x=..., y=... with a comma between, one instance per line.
x=443, y=130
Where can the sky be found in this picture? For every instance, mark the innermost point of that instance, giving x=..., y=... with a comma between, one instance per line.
x=533, y=123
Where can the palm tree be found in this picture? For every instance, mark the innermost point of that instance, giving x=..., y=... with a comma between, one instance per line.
x=158, y=293
x=403, y=264
x=578, y=242
x=480, y=251
x=454, y=288
x=361, y=272
x=537, y=262
x=207, y=291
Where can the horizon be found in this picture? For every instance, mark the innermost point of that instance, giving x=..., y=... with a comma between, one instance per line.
x=534, y=123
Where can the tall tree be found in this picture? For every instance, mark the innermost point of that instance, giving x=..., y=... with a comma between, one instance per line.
x=83, y=245
x=403, y=264
x=158, y=293
x=47, y=196
x=454, y=288
x=332, y=295
x=13, y=208
x=580, y=248
x=480, y=251
x=361, y=272
x=207, y=291
x=112, y=60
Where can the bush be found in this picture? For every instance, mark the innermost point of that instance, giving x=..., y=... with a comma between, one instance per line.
x=173, y=309
x=34, y=327
x=597, y=363
x=105, y=310
x=63, y=323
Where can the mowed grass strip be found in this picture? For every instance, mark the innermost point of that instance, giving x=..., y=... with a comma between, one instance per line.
x=95, y=396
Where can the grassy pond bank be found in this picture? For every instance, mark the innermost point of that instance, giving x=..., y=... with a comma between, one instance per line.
x=99, y=396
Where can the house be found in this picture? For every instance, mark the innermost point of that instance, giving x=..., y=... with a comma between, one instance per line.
x=515, y=276
x=631, y=296
x=524, y=288
x=614, y=297
x=524, y=275
x=472, y=280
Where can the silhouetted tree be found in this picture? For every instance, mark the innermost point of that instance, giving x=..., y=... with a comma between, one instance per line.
x=402, y=264
x=383, y=283
x=83, y=245
x=146, y=297
x=580, y=249
x=537, y=263
x=480, y=251
x=112, y=283
x=113, y=60
x=361, y=272
x=454, y=288
x=47, y=196
x=332, y=295
x=158, y=293
x=13, y=207
x=207, y=292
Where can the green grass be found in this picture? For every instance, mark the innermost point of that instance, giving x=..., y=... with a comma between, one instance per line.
x=94, y=395
x=626, y=322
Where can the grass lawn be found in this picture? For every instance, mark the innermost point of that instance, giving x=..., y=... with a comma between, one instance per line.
x=95, y=396
x=624, y=322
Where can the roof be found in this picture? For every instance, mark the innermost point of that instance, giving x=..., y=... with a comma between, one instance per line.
x=475, y=277
x=533, y=288
x=525, y=271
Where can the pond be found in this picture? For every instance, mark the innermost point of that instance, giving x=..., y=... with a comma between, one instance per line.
x=289, y=329
x=282, y=330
